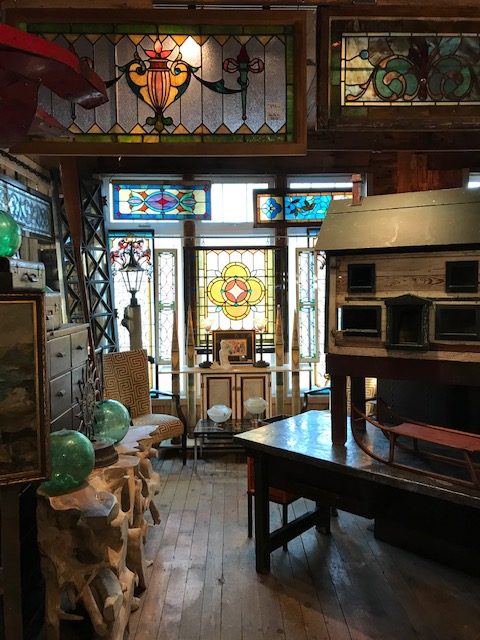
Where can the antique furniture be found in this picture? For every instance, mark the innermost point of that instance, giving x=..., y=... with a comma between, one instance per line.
x=232, y=387
x=411, y=511
x=212, y=435
x=447, y=441
x=92, y=543
x=125, y=378
x=67, y=358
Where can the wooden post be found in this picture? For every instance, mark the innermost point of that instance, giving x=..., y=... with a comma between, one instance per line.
x=191, y=399
x=295, y=367
x=175, y=357
x=279, y=361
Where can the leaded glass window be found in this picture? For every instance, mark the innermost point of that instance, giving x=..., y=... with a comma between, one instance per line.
x=120, y=247
x=160, y=201
x=293, y=207
x=310, y=291
x=165, y=302
x=235, y=286
x=231, y=82
x=410, y=69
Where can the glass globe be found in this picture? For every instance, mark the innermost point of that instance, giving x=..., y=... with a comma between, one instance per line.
x=10, y=235
x=72, y=460
x=111, y=420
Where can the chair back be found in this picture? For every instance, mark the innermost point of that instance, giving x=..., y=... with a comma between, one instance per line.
x=125, y=378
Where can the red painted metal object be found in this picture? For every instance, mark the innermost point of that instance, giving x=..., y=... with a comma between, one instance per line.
x=27, y=62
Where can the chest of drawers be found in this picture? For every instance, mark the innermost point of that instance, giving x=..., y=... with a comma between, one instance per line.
x=67, y=357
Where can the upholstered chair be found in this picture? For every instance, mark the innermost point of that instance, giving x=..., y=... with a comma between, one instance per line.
x=125, y=378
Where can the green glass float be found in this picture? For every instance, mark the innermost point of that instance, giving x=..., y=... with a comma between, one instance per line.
x=111, y=420
x=72, y=459
x=10, y=235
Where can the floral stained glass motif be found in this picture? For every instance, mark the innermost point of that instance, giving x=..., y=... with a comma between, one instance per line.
x=235, y=286
x=410, y=69
x=294, y=207
x=161, y=201
x=121, y=245
x=185, y=84
x=236, y=291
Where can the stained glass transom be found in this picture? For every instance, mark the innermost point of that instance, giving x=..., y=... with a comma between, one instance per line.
x=236, y=286
x=295, y=207
x=410, y=69
x=161, y=201
x=182, y=83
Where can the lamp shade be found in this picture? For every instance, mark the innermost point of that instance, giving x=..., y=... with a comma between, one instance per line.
x=10, y=235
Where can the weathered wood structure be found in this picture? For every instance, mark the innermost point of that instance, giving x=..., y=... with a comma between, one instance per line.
x=403, y=274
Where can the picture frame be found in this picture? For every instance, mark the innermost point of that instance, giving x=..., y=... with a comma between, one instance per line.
x=241, y=342
x=23, y=405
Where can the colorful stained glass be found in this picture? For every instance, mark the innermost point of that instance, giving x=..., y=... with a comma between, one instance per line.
x=161, y=201
x=120, y=244
x=236, y=291
x=235, y=286
x=413, y=69
x=185, y=83
x=294, y=207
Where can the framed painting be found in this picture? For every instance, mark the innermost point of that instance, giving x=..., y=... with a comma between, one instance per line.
x=239, y=344
x=23, y=407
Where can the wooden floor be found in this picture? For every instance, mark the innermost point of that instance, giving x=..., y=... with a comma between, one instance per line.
x=347, y=586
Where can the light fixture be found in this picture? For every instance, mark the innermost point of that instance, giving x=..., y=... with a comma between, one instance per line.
x=260, y=325
x=207, y=326
x=132, y=275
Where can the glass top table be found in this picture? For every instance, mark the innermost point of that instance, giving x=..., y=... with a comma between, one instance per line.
x=218, y=435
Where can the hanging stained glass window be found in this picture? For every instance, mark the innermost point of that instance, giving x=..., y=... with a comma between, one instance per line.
x=293, y=207
x=243, y=81
x=161, y=201
x=236, y=286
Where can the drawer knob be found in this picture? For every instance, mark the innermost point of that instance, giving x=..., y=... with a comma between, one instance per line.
x=60, y=394
x=61, y=354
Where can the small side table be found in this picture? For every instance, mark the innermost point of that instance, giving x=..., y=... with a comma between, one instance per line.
x=214, y=435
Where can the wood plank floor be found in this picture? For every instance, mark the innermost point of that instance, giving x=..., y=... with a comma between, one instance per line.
x=347, y=586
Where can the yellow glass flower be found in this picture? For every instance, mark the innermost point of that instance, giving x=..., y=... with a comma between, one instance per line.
x=235, y=292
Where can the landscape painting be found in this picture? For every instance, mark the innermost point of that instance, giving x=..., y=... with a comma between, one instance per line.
x=23, y=412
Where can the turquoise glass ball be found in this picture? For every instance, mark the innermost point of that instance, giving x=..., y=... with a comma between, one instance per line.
x=72, y=460
x=10, y=235
x=111, y=420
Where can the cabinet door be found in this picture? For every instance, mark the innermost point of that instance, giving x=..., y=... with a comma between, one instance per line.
x=250, y=385
x=217, y=389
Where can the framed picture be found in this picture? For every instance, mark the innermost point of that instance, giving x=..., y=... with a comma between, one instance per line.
x=23, y=408
x=240, y=345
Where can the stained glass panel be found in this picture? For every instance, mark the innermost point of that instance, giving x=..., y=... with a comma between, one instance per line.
x=161, y=201
x=165, y=302
x=120, y=246
x=236, y=286
x=186, y=83
x=409, y=69
x=294, y=207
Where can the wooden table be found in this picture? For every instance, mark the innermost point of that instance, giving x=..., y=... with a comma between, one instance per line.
x=217, y=435
x=435, y=518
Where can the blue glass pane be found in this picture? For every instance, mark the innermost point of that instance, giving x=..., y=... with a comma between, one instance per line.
x=161, y=201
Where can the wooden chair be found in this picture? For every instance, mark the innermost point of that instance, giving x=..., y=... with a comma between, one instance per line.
x=125, y=378
x=274, y=495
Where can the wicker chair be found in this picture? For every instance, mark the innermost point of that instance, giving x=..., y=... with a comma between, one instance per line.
x=125, y=378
